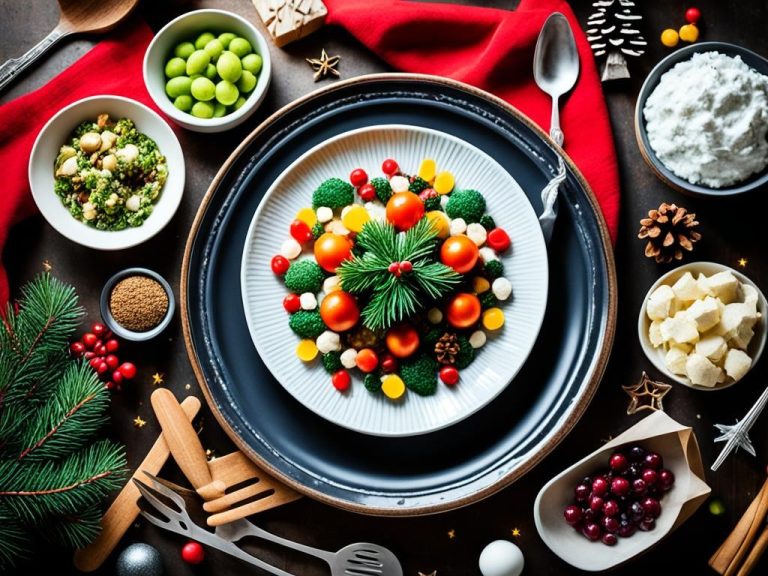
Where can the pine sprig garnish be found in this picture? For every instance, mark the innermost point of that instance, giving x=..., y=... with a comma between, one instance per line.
x=398, y=272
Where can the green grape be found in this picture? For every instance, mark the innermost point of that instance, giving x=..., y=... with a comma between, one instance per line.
x=203, y=39
x=226, y=38
x=247, y=82
x=240, y=46
x=198, y=62
x=252, y=63
x=214, y=48
x=210, y=72
x=184, y=50
x=219, y=110
x=202, y=109
x=229, y=67
x=226, y=93
x=175, y=87
x=203, y=89
x=195, y=77
x=239, y=104
x=175, y=67
x=184, y=102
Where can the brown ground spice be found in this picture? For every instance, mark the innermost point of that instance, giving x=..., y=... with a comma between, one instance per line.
x=138, y=303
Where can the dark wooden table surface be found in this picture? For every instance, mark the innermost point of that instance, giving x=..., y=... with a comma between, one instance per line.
x=732, y=229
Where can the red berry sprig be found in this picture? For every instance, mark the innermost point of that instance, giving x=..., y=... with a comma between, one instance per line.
x=98, y=347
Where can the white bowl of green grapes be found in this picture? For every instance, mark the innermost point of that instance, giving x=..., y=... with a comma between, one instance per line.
x=208, y=70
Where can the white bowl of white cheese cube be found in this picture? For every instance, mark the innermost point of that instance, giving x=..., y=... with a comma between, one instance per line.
x=703, y=325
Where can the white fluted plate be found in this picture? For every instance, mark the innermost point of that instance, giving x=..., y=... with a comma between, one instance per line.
x=496, y=363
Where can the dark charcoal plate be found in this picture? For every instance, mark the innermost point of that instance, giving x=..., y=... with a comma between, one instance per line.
x=665, y=175
x=450, y=467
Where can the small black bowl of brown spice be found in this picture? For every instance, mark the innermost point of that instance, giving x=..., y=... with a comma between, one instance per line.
x=137, y=304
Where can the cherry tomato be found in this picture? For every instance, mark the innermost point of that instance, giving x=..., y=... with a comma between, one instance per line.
x=693, y=15
x=331, y=250
x=404, y=209
x=128, y=370
x=99, y=329
x=89, y=340
x=193, y=553
x=389, y=167
x=280, y=265
x=402, y=340
x=112, y=345
x=460, y=253
x=339, y=311
x=341, y=380
x=77, y=349
x=367, y=360
x=358, y=177
x=498, y=239
x=301, y=232
x=388, y=364
x=449, y=375
x=463, y=310
x=367, y=192
x=292, y=303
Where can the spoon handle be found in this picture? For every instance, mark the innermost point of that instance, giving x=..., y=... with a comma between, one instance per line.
x=554, y=124
x=11, y=68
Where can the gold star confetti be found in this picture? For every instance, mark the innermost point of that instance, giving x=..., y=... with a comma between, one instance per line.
x=47, y=266
x=646, y=388
x=742, y=262
x=157, y=378
x=433, y=573
x=516, y=532
x=139, y=422
x=325, y=65
x=451, y=534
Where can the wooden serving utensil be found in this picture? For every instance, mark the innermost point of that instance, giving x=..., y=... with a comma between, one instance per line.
x=252, y=490
x=77, y=17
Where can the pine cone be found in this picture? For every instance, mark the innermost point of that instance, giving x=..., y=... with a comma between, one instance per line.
x=446, y=348
x=670, y=230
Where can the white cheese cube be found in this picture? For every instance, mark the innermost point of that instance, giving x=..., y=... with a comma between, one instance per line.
x=686, y=288
x=348, y=358
x=749, y=294
x=701, y=371
x=675, y=360
x=679, y=329
x=487, y=254
x=706, y=313
x=324, y=214
x=737, y=364
x=713, y=347
x=723, y=285
x=399, y=184
x=736, y=316
x=660, y=303
x=328, y=342
x=743, y=337
x=654, y=334
x=701, y=280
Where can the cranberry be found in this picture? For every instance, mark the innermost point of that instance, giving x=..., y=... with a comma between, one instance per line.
x=112, y=361
x=102, y=367
x=117, y=377
x=626, y=529
x=650, y=476
x=591, y=531
x=581, y=492
x=609, y=539
x=620, y=486
x=572, y=514
x=666, y=480
x=367, y=192
x=389, y=167
x=595, y=503
x=653, y=460
x=89, y=340
x=100, y=350
x=647, y=524
x=618, y=462
x=652, y=507
x=128, y=370
x=634, y=470
x=636, y=511
x=99, y=329
x=358, y=177
x=599, y=486
x=89, y=355
x=280, y=265
x=77, y=349
x=610, y=524
x=112, y=346
x=639, y=486
x=636, y=454
x=611, y=508
x=94, y=362
x=587, y=515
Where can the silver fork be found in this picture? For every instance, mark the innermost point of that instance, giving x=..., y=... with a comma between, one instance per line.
x=360, y=559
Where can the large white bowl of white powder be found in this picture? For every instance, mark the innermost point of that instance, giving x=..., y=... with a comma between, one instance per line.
x=702, y=119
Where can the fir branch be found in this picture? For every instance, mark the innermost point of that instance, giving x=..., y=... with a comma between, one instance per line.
x=75, y=530
x=14, y=537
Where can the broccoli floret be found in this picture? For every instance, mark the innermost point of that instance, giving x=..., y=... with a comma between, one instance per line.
x=488, y=300
x=372, y=382
x=420, y=375
x=318, y=230
x=466, y=353
x=488, y=222
x=383, y=189
x=307, y=324
x=418, y=184
x=333, y=193
x=432, y=203
x=304, y=276
x=493, y=269
x=466, y=204
x=332, y=361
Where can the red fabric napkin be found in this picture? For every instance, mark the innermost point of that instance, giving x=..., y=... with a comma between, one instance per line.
x=493, y=50
x=112, y=67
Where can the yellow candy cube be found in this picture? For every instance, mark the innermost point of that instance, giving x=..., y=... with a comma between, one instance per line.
x=306, y=350
x=355, y=218
x=444, y=183
x=308, y=216
x=427, y=170
x=442, y=223
x=493, y=319
x=393, y=386
x=480, y=285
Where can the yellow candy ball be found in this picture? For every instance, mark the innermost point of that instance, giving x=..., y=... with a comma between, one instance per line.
x=393, y=386
x=443, y=183
x=355, y=218
x=670, y=38
x=427, y=170
x=308, y=216
x=480, y=285
x=689, y=33
x=306, y=350
x=441, y=222
x=493, y=319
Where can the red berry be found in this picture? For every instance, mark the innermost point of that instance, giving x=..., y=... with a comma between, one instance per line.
x=117, y=377
x=341, y=380
x=89, y=355
x=77, y=349
x=100, y=350
x=610, y=524
x=653, y=460
x=639, y=486
x=358, y=177
x=498, y=239
x=301, y=233
x=280, y=265
x=449, y=375
x=89, y=340
x=581, y=492
x=609, y=539
x=611, y=508
x=666, y=480
x=650, y=476
x=112, y=345
x=292, y=303
x=112, y=361
x=110, y=386
x=388, y=364
x=389, y=167
x=599, y=486
x=99, y=329
x=128, y=370
x=618, y=462
x=102, y=367
x=620, y=486
x=692, y=15
x=652, y=507
x=592, y=531
x=596, y=503
x=406, y=266
x=94, y=362
x=367, y=192
x=193, y=553
x=572, y=514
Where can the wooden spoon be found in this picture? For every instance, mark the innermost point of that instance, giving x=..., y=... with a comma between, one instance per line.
x=77, y=17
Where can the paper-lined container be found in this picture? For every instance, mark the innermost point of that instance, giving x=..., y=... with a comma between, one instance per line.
x=658, y=432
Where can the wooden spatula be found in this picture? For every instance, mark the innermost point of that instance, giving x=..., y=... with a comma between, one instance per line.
x=250, y=489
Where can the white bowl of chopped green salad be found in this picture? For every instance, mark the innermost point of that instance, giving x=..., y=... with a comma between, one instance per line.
x=107, y=172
